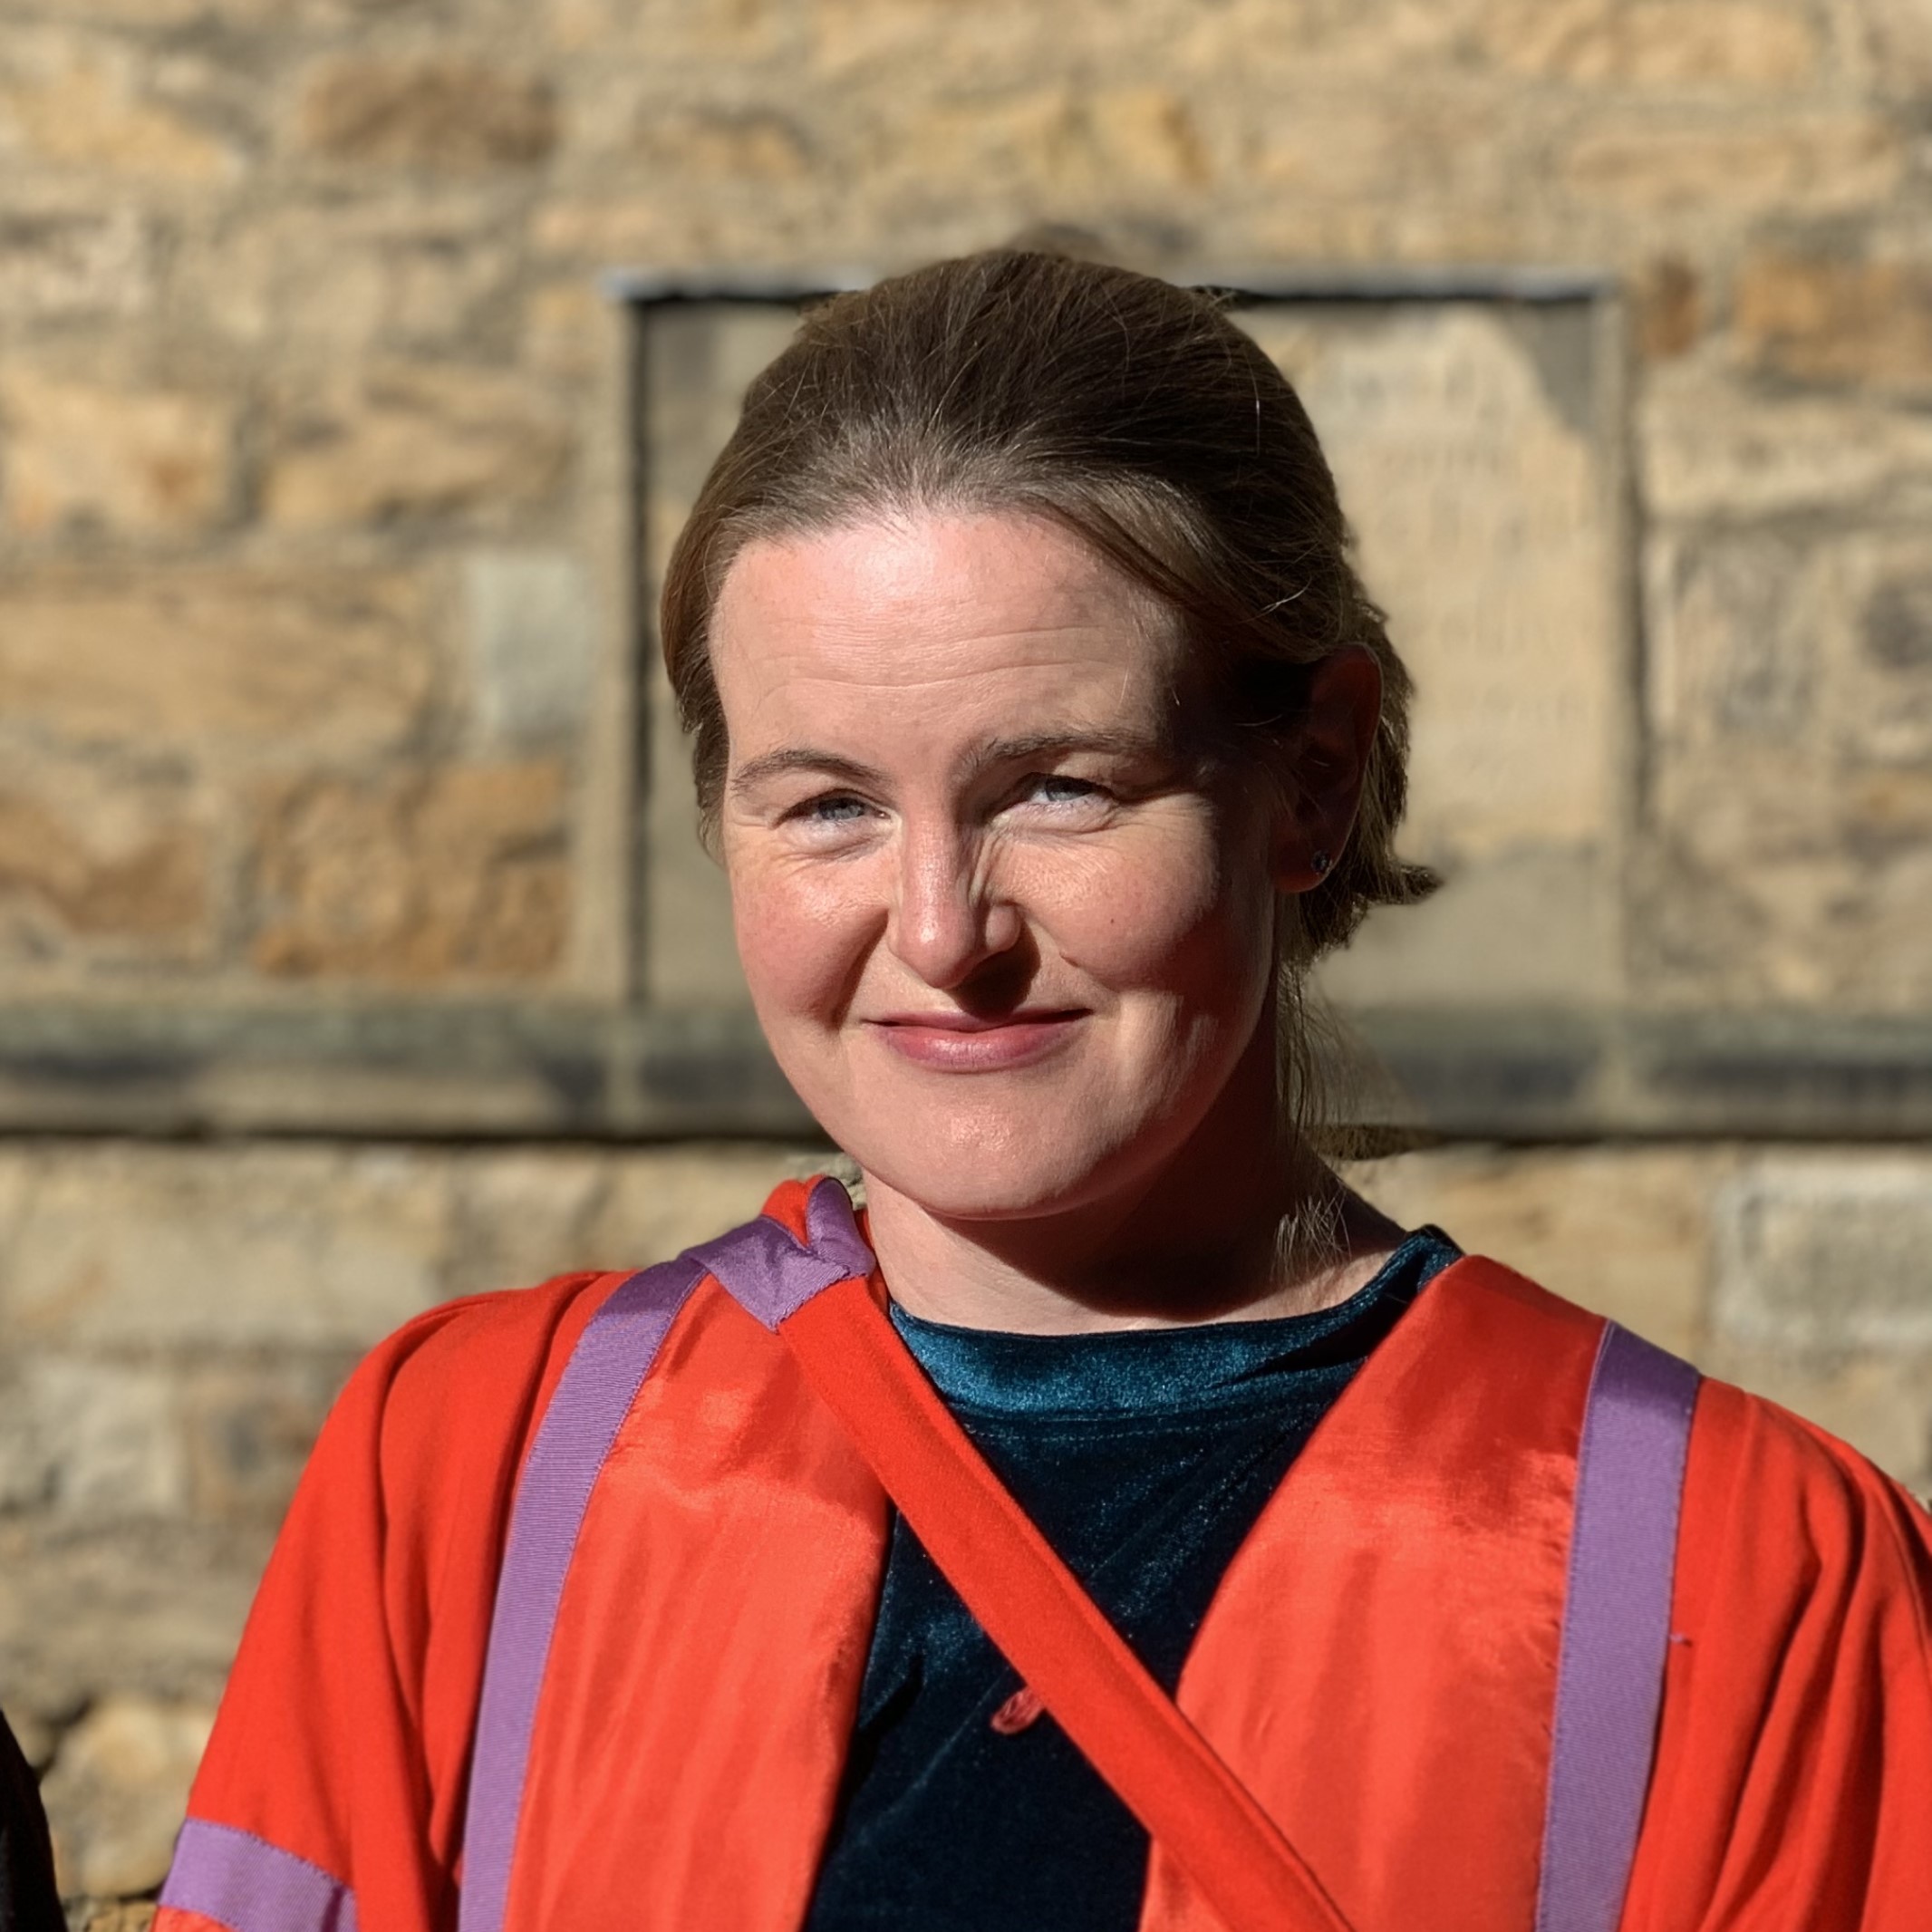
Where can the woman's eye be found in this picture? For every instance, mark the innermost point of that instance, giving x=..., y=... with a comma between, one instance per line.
x=1057, y=792
x=832, y=809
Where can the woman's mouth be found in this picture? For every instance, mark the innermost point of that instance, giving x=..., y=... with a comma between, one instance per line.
x=967, y=1043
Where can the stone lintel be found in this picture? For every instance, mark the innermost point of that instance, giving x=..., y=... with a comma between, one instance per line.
x=558, y=1072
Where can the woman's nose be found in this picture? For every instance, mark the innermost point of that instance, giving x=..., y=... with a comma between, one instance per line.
x=950, y=918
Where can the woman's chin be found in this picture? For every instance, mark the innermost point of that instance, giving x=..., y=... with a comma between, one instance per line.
x=1028, y=1179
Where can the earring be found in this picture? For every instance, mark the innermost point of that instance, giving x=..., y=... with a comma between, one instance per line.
x=1321, y=862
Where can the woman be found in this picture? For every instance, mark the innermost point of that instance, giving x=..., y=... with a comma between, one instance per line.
x=1124, y=1524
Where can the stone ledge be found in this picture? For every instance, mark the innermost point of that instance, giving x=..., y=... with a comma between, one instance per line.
x=555, y=1072
x=1583, y=1074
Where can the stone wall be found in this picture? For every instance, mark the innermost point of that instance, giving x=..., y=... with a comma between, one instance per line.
x=341, y=427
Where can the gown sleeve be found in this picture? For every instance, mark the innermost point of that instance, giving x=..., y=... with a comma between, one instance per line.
x=1794, y=1783
x=332, y=1792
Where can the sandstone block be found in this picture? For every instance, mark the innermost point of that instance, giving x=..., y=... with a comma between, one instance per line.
x=1899, y=37
x=1350, y=148
x=1003, y=41
x=79, y=101
x=357, y=1097
x=153, y=1608
x=754, y=145
x=249, y=1431
x=229, y=13
x=26, y=1473
x=134, y=1915
x=315, y=283
x=19, y=1174
x=665, y=224
x=1250, y=46
x=1774, y=881
x=1735, y=623
x=735, y=30
x=246, y=660
x=1539, y=926
x=570, y=329
x=415, y=441
x=459, y=873
x=1624, y=1231
x=1830, y=1253
x=1150, y=134
x=92, y=1438
x=92, y=858
x=1030, y=135
x=1822, y=643
x=533, y=644
x=1652, y=44
x=1792, y=727
x=1814, y=166
x=662, y=1201
x=1825, y=319
x=1067, y=141
x=1668, y=301
x=432, y=112
x=60, y=263
x=1708, y=445
x=276, y=1246
x=523, y=1216
x=99, y=457
x=1354, y=172
x=117, y=1791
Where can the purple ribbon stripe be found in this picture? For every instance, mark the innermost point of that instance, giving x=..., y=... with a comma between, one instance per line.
x=766, y=1272
x=245, y=1883
x=593, y=1396
x=1615, y=1628
x=770, y=1275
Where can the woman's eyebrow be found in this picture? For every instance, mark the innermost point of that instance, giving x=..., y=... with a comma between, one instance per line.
x=1052, y=743
x=803, y=757
x=753, y=772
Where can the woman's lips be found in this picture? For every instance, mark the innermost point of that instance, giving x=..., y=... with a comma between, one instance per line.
x=962, y=1043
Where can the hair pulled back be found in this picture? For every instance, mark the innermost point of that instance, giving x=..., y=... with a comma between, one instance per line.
x=1129, y=410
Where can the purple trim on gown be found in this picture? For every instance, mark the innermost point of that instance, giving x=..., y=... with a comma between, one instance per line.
x=766, y=1272
x=1615, y=1628
x=763, y=1266
x=244, y=1882
x=594, y=1395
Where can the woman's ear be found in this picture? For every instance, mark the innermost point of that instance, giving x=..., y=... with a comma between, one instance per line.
x=1328, y=764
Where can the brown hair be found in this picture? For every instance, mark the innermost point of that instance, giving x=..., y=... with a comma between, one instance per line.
x=1131, y=411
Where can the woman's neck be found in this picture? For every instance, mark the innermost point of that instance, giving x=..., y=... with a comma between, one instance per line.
x=1243, y=1223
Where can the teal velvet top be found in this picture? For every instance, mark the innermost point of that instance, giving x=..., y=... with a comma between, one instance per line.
x=1144, y=1457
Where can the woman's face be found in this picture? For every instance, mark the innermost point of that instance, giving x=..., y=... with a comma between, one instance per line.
x=1007, y=934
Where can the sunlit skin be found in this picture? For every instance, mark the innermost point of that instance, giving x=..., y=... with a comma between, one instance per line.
x=1011, y=931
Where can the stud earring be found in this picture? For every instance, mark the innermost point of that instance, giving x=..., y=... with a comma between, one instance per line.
x=1321, y=863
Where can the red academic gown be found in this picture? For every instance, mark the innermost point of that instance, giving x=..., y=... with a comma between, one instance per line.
x=1377, y=1667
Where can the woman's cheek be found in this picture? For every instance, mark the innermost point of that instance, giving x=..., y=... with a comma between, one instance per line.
x=1146, y=917
x=797, y=936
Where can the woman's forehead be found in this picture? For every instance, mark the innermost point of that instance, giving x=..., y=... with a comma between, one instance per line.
x=990, y=611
